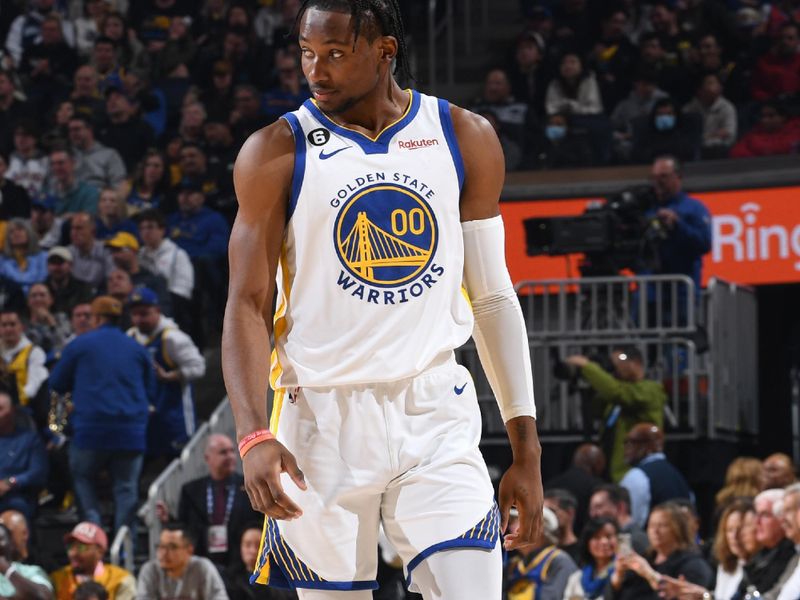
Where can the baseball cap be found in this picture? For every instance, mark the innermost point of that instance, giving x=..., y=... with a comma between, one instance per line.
x=106, y=306
x=44, y=203
x=61, y=252
x=88, y=533
x=123, y=239
x=143, y=296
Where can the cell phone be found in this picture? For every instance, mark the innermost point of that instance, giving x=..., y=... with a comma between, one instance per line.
x=624, y=547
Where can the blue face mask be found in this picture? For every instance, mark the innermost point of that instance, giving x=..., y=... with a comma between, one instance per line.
x=555, y=132
x=665, y=122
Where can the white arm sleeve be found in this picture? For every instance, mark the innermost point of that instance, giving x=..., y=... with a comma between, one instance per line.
x=500, y=333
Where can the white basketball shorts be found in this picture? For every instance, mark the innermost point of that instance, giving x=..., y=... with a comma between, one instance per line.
x=404, y=454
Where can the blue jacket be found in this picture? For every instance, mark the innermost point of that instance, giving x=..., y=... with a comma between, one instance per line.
x=113, y=385
x=682, y=252
x=25, y=458
x=203, y=234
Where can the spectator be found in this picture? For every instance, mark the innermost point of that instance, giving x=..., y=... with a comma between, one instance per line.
x=719, y=117
x=247, y=116
x=91, y=260
x=598, y=547
x=774, y=134
x=581, y=478
x=777, y=73
x=687, y=223
x=67, y=291
x=46, y=329
x=27, y=167
x=237, y=575
x=614, y=501
x=674, y=556
x=47, y=64
x=539, y=572
x=23, y=469
x=17, y=526
x=80, y=320
x=26, y=29
x=218, y=192
x=527, y=73
x=216, y=508
x=177, y=362
x=292, y=89
x=621, y=400
x=21, y=357
x=96, y=164
x=777, y=471
x=222, y=150
x=728, y=550
x=513, y=153
x=614, y=56
x=112, y=382
x=128, y=48
x=652, y=479
x=637, y=106
x=193, y=117
x=124, y=250
x=18, y=580
x=788, y=585
x=176, y=571
x=85, y=96
x=12, y=109
x=162, y=256
x=86, y=544
x=665, y=131
x=218, y=97
x=16, y=201
x=563, y=146
x=90, y=590
x=743, y=479
x=664, y=20
x=87, y=26
x=574, y=90
x=564, y=506
x=511, y=113
x=72, y=195
x=112, y=216
x=119, y=286
x=150, y=184
x=44, y=222
x=765, y=567
x=709, y=59
x=126, y=132
x=653, y=57
x=23, y=263
x=104, y=60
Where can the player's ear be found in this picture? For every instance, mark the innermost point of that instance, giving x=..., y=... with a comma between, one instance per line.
x=388, y=48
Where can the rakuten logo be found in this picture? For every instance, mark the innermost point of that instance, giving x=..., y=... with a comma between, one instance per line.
x=417, y=144
x=750, y=242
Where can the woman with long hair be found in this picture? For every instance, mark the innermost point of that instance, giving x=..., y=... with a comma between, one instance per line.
x=742, y=480
x=598, y=546
x=574, y=90
x=150, y=183
x=23, y=262
x=673, y=554
x=112, y=216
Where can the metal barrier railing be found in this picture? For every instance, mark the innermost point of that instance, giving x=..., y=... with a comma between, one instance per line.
x=597, y=306
x=122, y=548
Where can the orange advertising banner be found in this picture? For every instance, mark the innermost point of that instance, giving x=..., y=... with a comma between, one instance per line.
x=756, y=236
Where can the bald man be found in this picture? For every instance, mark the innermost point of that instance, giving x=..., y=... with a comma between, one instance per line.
x=581, y=478
x=777, y=472
x=216, y=508
x=652, y=479
x=17, y=525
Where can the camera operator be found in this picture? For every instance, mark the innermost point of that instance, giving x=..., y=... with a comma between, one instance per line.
x=686, y=223
x=622, y=400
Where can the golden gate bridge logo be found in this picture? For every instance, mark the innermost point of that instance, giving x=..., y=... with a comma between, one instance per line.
x=386, y=235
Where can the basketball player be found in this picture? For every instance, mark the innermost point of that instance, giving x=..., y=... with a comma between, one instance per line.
x=373, y=205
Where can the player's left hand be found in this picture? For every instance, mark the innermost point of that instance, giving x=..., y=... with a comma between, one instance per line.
x=521, y=487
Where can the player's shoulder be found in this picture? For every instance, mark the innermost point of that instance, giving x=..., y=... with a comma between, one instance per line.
x=469, y=126
x=266, y=145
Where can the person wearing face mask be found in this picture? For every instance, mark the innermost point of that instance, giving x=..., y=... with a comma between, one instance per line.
x=562, y=146
x=664, y=131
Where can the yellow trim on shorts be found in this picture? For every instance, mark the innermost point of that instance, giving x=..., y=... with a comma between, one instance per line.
x=279, y=321
x=263, y=572
x=277, y=405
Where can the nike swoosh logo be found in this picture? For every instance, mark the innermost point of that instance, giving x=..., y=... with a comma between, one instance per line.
x=459, y=390
x=323, y=156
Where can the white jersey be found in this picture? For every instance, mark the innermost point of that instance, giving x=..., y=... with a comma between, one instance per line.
x=371, y=269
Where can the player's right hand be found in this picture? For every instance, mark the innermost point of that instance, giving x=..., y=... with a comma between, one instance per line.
x=263, y=466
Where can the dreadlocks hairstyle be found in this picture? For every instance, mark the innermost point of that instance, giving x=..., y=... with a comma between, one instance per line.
x=386, y=15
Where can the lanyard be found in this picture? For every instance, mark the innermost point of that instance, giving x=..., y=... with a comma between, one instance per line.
x=228, y=503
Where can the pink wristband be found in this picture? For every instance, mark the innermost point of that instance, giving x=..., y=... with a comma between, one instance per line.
x=254, y=439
